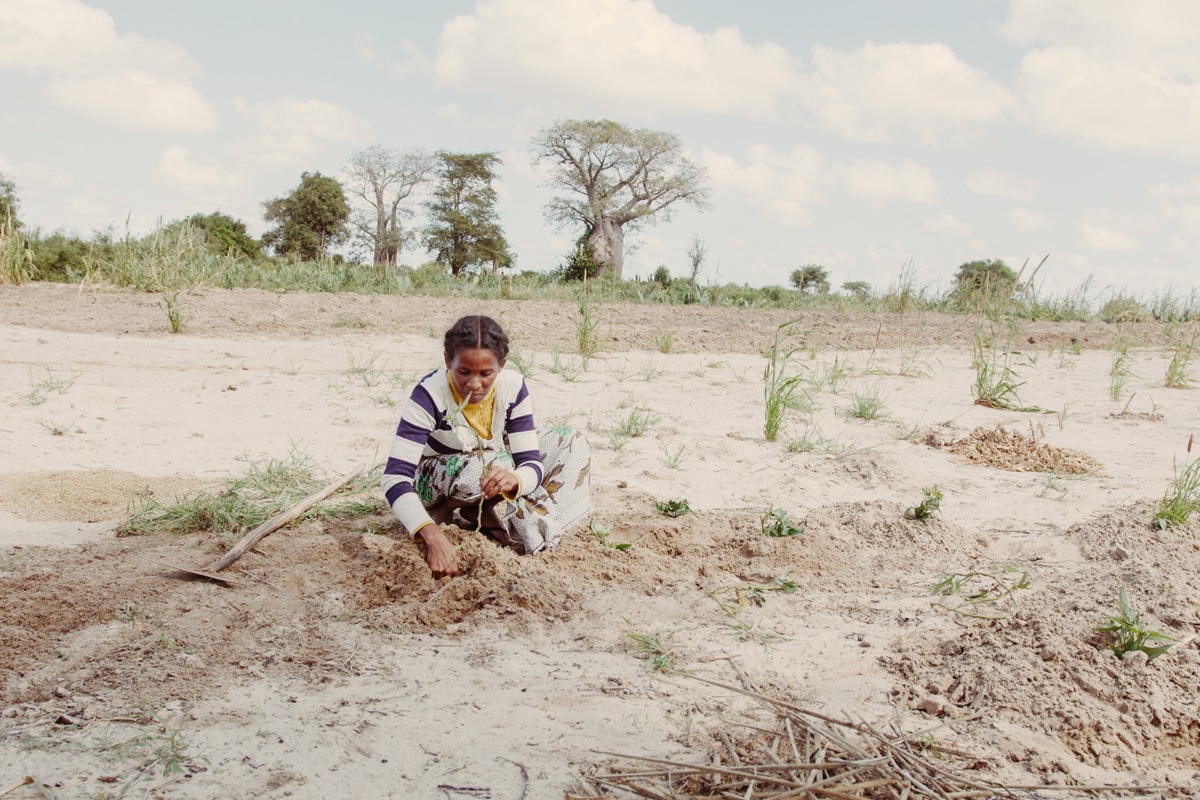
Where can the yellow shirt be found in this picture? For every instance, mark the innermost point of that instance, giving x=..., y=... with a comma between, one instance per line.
x=478, y=415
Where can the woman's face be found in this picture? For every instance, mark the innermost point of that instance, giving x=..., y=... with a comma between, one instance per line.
x=473, y=371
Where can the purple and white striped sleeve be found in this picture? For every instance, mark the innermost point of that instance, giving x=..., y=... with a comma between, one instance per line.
x=417, y=422
x=523, y=441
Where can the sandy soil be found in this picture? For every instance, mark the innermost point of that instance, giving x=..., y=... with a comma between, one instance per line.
x=335, y=666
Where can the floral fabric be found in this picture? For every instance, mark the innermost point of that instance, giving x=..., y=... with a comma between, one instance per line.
x=531, y=523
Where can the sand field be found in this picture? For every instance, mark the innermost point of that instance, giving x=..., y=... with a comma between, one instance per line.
x=335, y=666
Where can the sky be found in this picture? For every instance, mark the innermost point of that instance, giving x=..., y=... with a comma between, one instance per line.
x=861, y=136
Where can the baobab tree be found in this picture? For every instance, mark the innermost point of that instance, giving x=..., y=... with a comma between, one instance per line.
x=383, y=178
x=615, y=178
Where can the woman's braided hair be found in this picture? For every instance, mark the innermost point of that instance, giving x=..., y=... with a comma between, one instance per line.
x=476, y=332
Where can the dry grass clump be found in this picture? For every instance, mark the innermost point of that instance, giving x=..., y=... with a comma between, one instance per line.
x=1016, y=452
x=805, y=754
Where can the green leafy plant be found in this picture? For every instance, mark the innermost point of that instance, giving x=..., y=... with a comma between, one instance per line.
x=1181, y=499
x=775, y=523
x=173, y=310
x=601, y=532
x=673, y=508
x=996, y=384
x=929, y=507
x=655, y=649
x=779, y=390
x=979, y=594
x=1129, y=632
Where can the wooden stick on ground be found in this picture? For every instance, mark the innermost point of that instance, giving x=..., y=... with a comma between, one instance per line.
x=252, y=538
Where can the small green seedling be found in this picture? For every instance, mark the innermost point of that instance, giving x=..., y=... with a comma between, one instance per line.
x=978, y=594
x=673, y=508
x=601, y=532
x=1130, y=632
x=673, y=458
x=775, y=523
x=929, y=507
x=655, y=649
x=755, y=594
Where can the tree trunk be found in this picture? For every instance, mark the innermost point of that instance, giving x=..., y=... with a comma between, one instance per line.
x=608, y=244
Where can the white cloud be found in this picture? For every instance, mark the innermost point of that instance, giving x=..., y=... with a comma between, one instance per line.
x=212, y=183
x=125, y=81
x=414, y=61
x=878, y=180
x=994, y=183
x=289, y=131
x=622, y=52
x=1188, y=188
x=1188, y=215
x=1121, y=74
x=880, y=91
x=948, y=225
x=782, y=185
x=1098, y=237
x=1027, y=220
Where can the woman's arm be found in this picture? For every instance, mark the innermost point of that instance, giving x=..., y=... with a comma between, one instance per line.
x=523, y=441
x=421, y=414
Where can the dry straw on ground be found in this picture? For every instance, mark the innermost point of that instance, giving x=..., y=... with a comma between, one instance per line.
x=1016, y=452
x=805, y=754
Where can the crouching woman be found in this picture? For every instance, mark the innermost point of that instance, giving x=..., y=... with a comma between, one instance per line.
x=467, y=445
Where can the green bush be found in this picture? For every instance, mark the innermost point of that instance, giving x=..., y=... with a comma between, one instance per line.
x=63, y=257
x=1123, y=309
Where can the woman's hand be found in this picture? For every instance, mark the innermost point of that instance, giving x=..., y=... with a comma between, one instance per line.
x=498, y=480
x=439, y=553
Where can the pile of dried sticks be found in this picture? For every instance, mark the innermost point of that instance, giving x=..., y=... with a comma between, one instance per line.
x=810, y=755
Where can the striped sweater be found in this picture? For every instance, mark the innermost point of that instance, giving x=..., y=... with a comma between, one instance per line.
x=425, y=430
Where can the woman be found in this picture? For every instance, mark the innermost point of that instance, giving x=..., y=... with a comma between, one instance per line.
x=467, y=442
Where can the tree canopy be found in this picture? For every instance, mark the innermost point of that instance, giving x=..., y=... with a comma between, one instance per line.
x=226, y=235
x=811, y=278
x=463, y=230
x=383, y=178
x=613, y=177
x=310, y=219
x=987, y=274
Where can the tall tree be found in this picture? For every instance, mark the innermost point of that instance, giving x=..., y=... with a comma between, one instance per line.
x=383, y=178
x=811, y=278
x=8, y=202
x=226, y=235
x=463, y=230
x=309, y=220
x=616, y=177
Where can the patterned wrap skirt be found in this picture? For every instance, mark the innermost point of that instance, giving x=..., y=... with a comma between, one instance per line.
x=528, y=524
